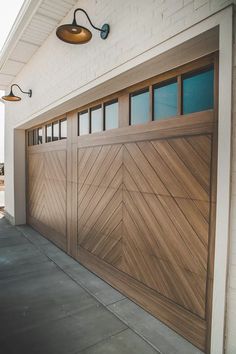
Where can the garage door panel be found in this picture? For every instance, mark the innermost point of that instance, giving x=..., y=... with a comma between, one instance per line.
x=177, y=284
x=193, y=161
x=186, y=177
x=162, y=169
x=139, y=215
x=47, y=194
x=55, y=165
x=100, y=213
x=148, y=212
x=142, y=171
x=202, y=145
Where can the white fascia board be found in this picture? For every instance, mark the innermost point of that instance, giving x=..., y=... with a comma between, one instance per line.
x=23, y=19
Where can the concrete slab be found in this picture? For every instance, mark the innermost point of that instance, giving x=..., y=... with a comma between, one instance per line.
x=94, y=285
x=152, y=330
x=125, y=342
x=67, y=335
x=51, y=304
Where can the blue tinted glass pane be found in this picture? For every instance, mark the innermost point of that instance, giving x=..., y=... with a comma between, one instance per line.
x=165, y=101
x=40, y=135
x=55, y=131
x=198, y=92
x=140, y=108
x=63, y=129
x=111, y=116
x=49, y=133
x=96, y=120
x=83, y=123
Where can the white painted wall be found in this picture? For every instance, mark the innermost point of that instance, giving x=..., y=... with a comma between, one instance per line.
x=59, y=72
x=231, y=293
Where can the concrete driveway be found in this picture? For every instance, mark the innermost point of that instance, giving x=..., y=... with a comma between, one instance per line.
x=50, y=304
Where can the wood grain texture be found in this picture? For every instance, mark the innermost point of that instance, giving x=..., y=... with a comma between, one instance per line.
x=136, y=205
x=184, y=322
x=47, y=194
x=137, y=211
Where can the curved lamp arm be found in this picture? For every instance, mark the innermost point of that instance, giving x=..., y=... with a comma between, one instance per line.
x=27, y=93
x=75, y=23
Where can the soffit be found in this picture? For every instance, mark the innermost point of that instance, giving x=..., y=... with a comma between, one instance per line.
x=35, y=22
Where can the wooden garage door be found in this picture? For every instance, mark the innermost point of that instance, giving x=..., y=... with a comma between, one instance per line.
x=136, y=205
x=47, y=191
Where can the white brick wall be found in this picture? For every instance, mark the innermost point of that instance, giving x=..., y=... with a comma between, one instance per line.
x=58, y=69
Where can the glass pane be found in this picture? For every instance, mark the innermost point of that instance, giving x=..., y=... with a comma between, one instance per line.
x=55, y=131
x=40, y=135
x=63, y=129
x=165, y=101
x=139, y=108
x=111, y=115
x=198, y=92
x=96, y=120
x=48, y=133
x=83, y=123
x=35, y=139
x=30, y=138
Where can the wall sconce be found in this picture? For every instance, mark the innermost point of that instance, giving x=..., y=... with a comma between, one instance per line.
x=76, y=34
x=11, y=97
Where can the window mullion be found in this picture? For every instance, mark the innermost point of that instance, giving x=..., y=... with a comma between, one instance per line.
x=179, y=82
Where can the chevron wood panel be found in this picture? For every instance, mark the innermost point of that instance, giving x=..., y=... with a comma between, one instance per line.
x=47, y=194
x=100, y=201
x=144, y=208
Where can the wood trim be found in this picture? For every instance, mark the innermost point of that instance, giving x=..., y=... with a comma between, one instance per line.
x=179, y=83
x=123, y=95
x=211, y=251
x=123, y=102
x=184, y=322
x=52, y=146
x=71, y=184
x=189, y=67
x=196, y=123
x=180, y=318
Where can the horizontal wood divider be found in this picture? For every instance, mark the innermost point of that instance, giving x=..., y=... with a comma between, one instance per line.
x=53, y=146
x=192, y=124
x=190, y=326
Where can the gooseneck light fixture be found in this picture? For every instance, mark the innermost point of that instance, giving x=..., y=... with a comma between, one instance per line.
x=11, y=97
x=76, y=34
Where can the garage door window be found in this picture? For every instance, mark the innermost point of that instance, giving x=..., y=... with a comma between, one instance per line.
x=96, y=119
x=198, y=92
x=55, y=131
x=63, y=128
x=83, y=123
x=40, y=136
x=48, y=133
x=165, y=100
x=111, y=115
x=139, y=107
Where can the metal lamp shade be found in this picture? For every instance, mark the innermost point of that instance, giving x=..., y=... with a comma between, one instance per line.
x=11, y=97
x=73, y=34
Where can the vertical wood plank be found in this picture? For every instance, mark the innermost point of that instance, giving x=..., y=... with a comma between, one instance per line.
x=72, y=126
x=123, y=111
x=211, y=249
x=179, y=106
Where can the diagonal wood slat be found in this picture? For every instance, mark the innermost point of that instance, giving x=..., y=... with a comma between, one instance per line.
x=47, y=194
x=144, y=208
